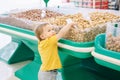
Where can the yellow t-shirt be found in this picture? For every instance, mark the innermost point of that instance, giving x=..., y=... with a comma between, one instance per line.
x=49, y=54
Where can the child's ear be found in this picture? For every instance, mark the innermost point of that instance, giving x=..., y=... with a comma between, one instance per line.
x=42, y=36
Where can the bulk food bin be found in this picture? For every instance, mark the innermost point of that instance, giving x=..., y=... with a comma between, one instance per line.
x=105, y=57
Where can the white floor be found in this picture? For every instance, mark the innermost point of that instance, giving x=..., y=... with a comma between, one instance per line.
x=7, y=70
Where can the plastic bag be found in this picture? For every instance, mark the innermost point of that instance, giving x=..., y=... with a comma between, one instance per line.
x=113, y=36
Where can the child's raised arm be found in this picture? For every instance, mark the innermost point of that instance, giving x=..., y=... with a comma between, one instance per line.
x=64, y=30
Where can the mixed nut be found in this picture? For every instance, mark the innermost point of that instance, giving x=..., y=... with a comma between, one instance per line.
x=113, y=43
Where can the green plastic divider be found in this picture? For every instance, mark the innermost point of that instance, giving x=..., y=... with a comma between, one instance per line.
x=81, y=55
x=16, y=29
x=77, y=44
x=107, y=64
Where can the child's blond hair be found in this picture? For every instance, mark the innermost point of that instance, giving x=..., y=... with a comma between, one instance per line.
x=39, y=30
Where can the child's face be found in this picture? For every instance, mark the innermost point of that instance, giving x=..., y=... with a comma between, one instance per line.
x=48, y=31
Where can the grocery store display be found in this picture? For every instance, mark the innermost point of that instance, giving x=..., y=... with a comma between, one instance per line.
x=87, y=29
x=75, y=49
x=113, y=37
x=78, y=18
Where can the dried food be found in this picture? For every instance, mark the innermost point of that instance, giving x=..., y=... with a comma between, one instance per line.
x=35, y=14
x=87, y=31
x=113, y=43
x=102, y=17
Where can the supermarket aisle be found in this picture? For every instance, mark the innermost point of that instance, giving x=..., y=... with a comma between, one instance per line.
x=6, y=5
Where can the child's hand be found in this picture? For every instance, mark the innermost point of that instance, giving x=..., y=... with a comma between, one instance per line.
x=75, y=27
x=65, y=29
x=73, y=24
